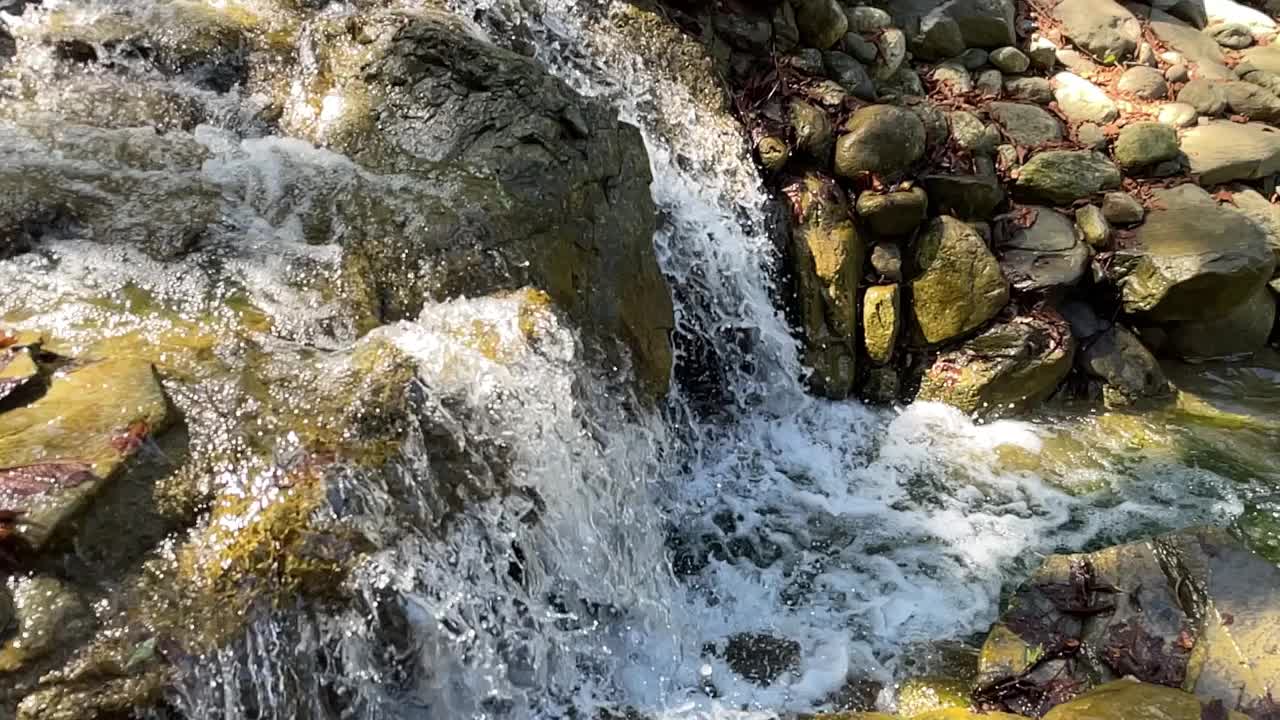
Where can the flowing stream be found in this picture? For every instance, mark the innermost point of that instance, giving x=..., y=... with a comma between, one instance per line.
x=869, y=537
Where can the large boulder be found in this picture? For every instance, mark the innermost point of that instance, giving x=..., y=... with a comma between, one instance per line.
x=827, y=255
x=1046, y=257
x=959, y=286
x=1102, y=28
x=1128, y=371
x=879, y=139
x=1223, y=151
x=1191, y=609
x=1008, y=368
x=1242, y=330
x=1064, y=176
x=1192, y=260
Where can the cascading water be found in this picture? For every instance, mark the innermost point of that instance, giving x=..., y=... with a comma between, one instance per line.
x=639, y=544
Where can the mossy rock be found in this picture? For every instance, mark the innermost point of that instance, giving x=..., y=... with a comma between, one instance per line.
x=920, y=695
x=1132, y=700
x=959, y=286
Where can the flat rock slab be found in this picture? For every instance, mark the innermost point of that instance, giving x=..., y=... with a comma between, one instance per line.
x=58, y=451
x=1222, y=151
x=1192, y=260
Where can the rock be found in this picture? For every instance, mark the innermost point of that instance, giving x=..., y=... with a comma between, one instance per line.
x=1147, y=56
x=882, y=321
x=1189, y=609
x=1177, y=74
x=866, y=19
x=1145, y=144
x=1242, y=330
x=934, y=37
x=1263, y=213
x=812, y=130
x=1010, y=60
x=827, y=257
x=745, y=32
x=958, y=287
x=1081, y=100
x=880, y=139
x=850, y=74
x=862, y=49
x=50, y=616
x=1263, y=79
x=1130, y=372
x=1144, y=82
x=1102, y=28
x=773, y=152
x=1223, y=151
x=8, y=46
x=1229, y=12
x=808, y=60
x=1085, y=323
x=77, y=422
x=1027, y=125
x=828, y=93
x=920, y=695
x=1189, y=42
x=970, y=134
x=886, y=260
x=17, y=370
x=1046, y=257
x=1093, y=226
x=905, y=82
x=564, y=204
x=1230, y=35
x=881, y=386
x=1263, y=58
x=786, y=36
x=974, y=58
x=984, y=23
x=944, y=31
x=1127, y=698
x=1030, y=89
x=1064, y=176
x=822, y=23
x=1043, y=54
x=1076, y=62
x=988, y=83
x=1092, y=136
x=1177, y=115
x=1251, y=101
x=1192, y=260
x=893, y=213
x=954, y=75
x=1121, y=208
x=761, y=658
x=966, y=196
x=1203, y=95
x=936, y=127
x=1007, y=369
x=892, y=46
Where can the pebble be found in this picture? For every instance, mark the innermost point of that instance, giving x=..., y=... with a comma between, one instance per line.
x=1120, y=208
x=1147, y=55
x=1010, y=60
x=953, y=74
x=1143, y=82
x=1093, y=225
x=1177, y=73
x=808, y=61
x=886, y=258
x=1031, y=89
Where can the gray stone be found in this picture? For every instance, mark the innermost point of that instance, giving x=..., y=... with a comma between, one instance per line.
x=1177, y=115
x=1009, y=368
x=1122, y=208
x=1145, y=144
x=988, y=83
x=1010, y=60
x=1102, y=28
x=1081, y=100
x=861, y=48
x=893, y=213
x=1188, y=41
x=974, y=58
x=1026, y=125
x=1046, y=257
x=748, y=33
x=904, y=83
x=1242, y=330
x=808, y=61
x=866, y=19
x=879, y=139
x=1130, y=372
x=969, y=133
x=1093, y=226
x=1265, y=58
x=966, y=196
x=822, y=23
x=1147, y=56
x=892, y=45
x=1064, y=176
x=1231, y=12
x=1076, y=62
x=1223, y=151
x=1230, y=35
x=886, y=260
x=953, y=75
x=1084, y=322
x=1177, y=73
x=1203, y=95
x=1030, y=89
x=786, y=36
x=1043, y=54
x=1092, y=136
x=1263, y=212
x=812, y=130
x=1251, y=101
x=1143, y=82
x=850, y=74
x=1192, y=260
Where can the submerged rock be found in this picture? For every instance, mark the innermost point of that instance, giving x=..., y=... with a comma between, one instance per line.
x=1006, y=369
x=1192, y=260
x=51, y=617
x=762, y=658
x=1190, y=609
x=959, y=286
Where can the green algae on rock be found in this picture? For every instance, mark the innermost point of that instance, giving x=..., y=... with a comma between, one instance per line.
x=959, y=286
